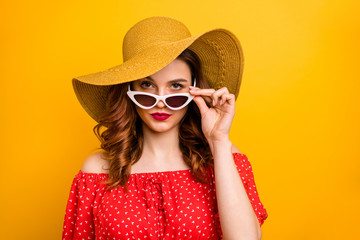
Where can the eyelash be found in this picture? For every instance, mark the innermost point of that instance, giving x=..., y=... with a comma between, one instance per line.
x=144, y=82
x=180, y=86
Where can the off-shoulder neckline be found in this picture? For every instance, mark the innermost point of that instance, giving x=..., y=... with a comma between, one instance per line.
x=149, y=173
x=144, y=173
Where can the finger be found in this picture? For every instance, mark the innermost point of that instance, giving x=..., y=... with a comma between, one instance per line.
x=210, y=95
x=207, y=91
x=200, y=102
x=230, y=98
x=205, y=94
x=202, y=91
x=224, y=98
x=218, y=94
x=208, y=100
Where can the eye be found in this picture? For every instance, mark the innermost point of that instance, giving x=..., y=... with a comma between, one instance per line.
x=145, y=84
x=178, y=86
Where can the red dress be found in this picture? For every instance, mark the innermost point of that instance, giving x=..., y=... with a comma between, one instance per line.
x=159, y=205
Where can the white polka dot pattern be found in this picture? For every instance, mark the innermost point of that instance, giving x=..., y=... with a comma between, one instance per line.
x=159, y=205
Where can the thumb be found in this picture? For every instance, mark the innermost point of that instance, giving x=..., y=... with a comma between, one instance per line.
x=200, y=102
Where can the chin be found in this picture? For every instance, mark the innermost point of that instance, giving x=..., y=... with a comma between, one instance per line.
x=160, y=128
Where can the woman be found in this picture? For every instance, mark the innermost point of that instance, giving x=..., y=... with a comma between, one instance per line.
x=167, y=111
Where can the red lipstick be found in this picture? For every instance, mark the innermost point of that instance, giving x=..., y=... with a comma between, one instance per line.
x=160, y=116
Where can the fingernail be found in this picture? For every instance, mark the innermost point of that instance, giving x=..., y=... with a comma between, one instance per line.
x=213, y=102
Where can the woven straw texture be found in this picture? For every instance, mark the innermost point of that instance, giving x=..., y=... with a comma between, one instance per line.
x=153, y=43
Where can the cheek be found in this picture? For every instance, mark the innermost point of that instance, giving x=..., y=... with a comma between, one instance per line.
x=141, y=112
x=182, y=112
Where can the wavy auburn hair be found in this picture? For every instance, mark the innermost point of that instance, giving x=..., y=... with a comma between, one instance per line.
x=123, y=139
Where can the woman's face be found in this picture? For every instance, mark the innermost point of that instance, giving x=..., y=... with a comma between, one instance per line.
x=174, y=78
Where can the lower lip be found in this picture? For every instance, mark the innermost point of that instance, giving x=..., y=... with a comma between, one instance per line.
x=160, y=117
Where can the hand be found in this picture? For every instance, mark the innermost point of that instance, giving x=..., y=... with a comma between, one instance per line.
x=216, y=120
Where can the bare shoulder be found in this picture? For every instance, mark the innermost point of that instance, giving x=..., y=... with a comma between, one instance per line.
x=95, y=163
x=234, y=149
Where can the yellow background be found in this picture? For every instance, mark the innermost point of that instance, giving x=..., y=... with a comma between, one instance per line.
x=297, y=115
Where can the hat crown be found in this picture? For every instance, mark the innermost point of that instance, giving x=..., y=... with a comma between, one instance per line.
x=152, y=32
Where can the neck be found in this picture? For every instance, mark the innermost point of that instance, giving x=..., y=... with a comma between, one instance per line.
x=161, y=146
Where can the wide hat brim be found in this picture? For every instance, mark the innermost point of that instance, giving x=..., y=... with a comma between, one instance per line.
x=219, y=51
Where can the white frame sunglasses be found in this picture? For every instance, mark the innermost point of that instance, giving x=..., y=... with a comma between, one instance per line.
x=163, y=98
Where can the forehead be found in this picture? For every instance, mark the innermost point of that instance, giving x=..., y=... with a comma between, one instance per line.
x=176, y=70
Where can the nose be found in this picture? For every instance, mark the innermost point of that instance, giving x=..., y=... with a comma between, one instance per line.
x=160, y=104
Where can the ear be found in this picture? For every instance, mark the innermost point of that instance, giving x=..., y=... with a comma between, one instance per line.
x=234, y=149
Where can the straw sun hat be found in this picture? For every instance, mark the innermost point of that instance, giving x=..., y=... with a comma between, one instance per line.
x=153, y=43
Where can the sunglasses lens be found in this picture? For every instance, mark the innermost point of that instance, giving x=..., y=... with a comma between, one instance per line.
x=145, y=100
x=176, y=101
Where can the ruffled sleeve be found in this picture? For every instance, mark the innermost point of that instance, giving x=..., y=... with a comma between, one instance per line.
x=245, y=171
x=79, y=221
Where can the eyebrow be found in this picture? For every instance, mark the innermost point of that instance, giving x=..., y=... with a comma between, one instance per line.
x=172, y=81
